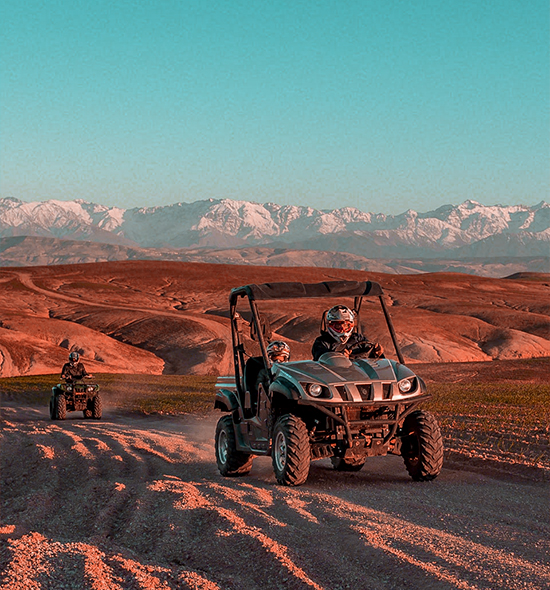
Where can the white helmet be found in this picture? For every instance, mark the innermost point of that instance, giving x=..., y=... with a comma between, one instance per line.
x=278, y=347
x=340, y=321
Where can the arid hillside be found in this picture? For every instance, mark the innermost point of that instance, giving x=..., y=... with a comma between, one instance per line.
x=171, y=317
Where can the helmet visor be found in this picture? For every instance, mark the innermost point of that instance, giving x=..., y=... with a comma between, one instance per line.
x=341, y=326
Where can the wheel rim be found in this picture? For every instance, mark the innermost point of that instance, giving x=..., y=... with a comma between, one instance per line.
x=222, y=447
x=280, y=450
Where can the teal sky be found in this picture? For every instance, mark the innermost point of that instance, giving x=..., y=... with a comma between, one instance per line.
x=384, y=105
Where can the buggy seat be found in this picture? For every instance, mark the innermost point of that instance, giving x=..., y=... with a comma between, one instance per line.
x=252, y=369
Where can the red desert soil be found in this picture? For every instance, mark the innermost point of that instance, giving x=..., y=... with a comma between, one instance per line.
x=171, y=317
x=138, y=503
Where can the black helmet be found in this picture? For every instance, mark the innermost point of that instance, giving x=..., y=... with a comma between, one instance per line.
x=74, y=356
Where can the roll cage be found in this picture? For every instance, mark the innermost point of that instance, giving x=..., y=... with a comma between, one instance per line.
x=260, y=329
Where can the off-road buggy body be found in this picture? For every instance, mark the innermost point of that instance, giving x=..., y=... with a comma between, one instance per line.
x=78, y=395
x=345, y=409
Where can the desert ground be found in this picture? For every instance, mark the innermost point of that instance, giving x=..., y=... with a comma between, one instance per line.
x=171, y=317
x=136, y=502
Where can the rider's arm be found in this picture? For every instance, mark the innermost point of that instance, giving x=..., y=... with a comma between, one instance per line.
x=367, y=348
x=320, y=346
x=63, y=371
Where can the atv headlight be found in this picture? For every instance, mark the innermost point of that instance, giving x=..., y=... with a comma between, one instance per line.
x=314, y=389
x=90, y=389
x=406, y=385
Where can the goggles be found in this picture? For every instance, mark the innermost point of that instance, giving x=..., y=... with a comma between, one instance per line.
x=341, y=326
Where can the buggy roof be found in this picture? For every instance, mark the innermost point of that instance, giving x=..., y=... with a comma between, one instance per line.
x=298, y=290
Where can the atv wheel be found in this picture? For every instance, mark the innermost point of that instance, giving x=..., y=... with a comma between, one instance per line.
x=291, y=453
x=341, y=464
x=60, y=407
x=96, y=408
x=88, y=412
x=422, y=446
x=231, y=463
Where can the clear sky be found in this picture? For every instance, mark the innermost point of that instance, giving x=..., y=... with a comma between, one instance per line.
x=384, y=105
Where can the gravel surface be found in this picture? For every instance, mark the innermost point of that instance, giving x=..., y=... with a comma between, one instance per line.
x=138, y=503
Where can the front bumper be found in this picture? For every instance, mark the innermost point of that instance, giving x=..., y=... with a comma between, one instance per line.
x=358, y=419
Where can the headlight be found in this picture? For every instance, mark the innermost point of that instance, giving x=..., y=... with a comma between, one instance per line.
x=314, y=389
x=405, y=386
x=90, y=388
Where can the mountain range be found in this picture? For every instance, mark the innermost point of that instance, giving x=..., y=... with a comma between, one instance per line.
x=245, y=232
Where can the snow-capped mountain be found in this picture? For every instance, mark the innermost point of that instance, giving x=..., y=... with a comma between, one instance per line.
x=466, y=230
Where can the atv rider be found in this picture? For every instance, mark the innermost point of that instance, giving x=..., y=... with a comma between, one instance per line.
x=74, y=369
x=339, y=336
x=277, y=352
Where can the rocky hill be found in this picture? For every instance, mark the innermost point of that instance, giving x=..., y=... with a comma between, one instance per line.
x=171, y=317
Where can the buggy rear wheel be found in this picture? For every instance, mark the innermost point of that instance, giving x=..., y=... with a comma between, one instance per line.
x=422, y=446
x=291, y=452
x=231, y=462
x=341, y=464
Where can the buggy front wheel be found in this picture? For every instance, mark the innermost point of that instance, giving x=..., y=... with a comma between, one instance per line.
x=231, y=462
x=422, y=446
x=291, y=451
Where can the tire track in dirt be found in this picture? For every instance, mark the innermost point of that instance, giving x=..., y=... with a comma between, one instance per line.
x=139, y=504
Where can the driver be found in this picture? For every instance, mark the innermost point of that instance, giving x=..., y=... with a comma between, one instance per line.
x=340, y=337
x=74, y=369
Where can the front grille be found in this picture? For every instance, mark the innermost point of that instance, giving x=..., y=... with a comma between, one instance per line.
x=365, y=391
x=344, y=393
x=386, y=390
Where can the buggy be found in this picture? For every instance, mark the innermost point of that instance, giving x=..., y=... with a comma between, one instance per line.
x=345, y=409
x=70, y=397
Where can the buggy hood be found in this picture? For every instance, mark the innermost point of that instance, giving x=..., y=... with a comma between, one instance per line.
x=343, y=370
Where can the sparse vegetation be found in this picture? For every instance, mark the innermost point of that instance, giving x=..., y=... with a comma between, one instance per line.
x=147, y=394
x=487, y=419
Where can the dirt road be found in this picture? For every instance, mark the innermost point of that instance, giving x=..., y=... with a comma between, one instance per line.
x=135, y=503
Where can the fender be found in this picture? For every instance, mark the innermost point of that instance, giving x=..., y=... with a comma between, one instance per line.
x=423, y=388
x=226, y=400
x=284, y=387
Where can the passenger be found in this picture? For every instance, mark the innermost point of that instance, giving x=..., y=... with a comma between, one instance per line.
x=340, y=337
x=74, y=369
x=277, y=352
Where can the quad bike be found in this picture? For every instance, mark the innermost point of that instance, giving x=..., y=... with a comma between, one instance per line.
x=345, y=409
x=73, y=396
